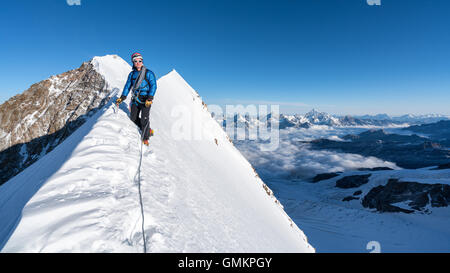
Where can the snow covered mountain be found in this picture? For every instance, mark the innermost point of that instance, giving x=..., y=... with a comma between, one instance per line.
x=35, y=122
x=314, y=117
x=321, y=118
x=197, y=192
x=310, y=119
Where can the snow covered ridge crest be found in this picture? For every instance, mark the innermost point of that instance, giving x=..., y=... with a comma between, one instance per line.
x=199, y=195
x=35, y=122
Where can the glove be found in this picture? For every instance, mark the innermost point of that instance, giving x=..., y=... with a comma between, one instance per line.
x=120, y=100
x=148, y=103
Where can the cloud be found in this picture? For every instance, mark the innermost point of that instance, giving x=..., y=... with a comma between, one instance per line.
x=295, y=160
x=374, y=2
x=73, y=2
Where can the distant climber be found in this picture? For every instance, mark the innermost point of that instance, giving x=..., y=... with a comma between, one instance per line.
x=142, y=82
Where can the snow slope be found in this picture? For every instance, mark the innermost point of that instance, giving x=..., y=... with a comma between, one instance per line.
x=336, y=226
x=199, y=193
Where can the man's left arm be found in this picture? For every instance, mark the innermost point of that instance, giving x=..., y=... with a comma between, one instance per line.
x=152, y=81
x=152, y=88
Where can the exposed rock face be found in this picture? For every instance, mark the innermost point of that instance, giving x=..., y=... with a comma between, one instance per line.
x=349, y=198
x=416, y=195
x=324, y=176
x=36, y=121
x=357, y=193
x=352, y=181
x=376, y=169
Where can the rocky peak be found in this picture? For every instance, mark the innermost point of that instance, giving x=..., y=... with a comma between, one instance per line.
x=35, y=122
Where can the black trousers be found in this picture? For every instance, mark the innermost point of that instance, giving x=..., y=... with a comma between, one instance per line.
x=142, y=122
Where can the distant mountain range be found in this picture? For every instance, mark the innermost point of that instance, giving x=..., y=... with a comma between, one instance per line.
x=315, y=117
x=409, y=118
x=438, y=131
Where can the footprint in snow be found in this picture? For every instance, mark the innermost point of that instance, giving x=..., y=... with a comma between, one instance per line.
x=149, y=153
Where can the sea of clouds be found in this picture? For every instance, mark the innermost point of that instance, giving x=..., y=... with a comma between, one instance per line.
x=294, y=160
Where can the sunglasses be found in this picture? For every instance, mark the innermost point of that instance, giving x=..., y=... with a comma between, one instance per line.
x=139, y=61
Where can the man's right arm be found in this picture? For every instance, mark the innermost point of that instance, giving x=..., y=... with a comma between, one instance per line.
x=126, y=90
x=127, y=87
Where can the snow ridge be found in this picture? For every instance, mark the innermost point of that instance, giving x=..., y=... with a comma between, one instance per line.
x=199, y=193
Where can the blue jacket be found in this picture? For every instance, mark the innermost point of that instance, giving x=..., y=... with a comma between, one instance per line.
x=144, y=89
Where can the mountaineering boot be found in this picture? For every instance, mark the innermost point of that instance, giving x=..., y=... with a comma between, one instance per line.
x=146, y=142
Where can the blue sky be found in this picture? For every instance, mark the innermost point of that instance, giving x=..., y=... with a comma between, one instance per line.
x=343, y=57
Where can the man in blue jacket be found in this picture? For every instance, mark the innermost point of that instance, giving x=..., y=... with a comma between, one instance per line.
x=142, y=82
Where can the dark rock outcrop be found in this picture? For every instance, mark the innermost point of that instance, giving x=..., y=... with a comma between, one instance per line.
x=324, y=176
x=349, y=198
x=416, y=195
x=352, y=181
x=376, y=169
x=357, y=193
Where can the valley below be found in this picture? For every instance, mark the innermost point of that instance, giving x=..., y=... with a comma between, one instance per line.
x=350, y=187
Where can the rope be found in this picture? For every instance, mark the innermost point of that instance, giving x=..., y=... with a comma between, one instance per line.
x=139, y=187
x=144, y=239
x=140, y=193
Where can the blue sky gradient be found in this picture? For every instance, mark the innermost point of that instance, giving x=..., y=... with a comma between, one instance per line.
x=342, y=57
